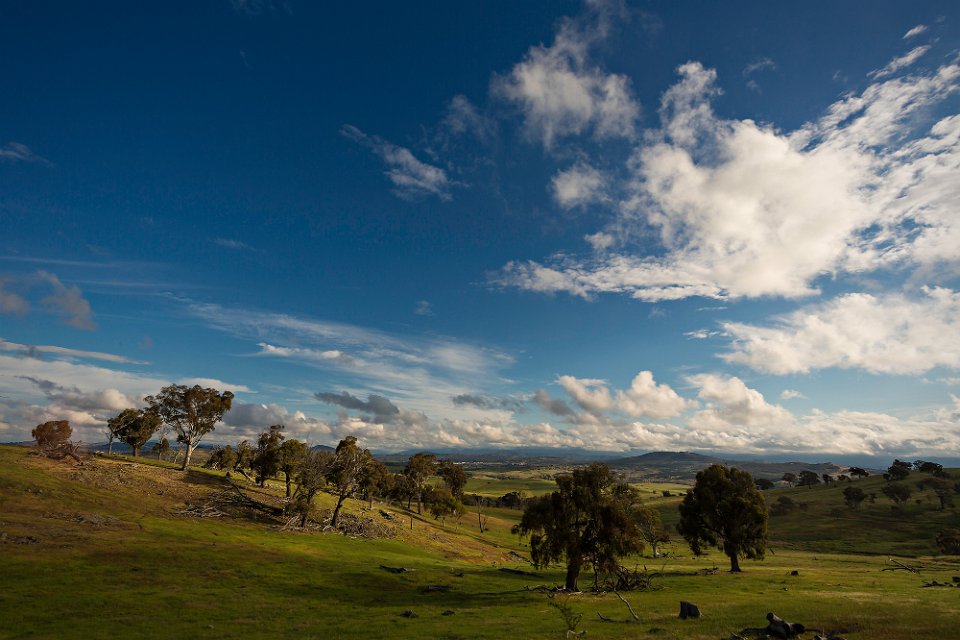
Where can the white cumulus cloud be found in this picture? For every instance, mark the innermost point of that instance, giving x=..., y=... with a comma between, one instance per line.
x=889, y=333
x=560, y=92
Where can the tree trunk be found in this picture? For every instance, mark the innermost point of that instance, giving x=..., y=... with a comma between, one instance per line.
x=287, y=474
x=419, y=501
x=734, y=563
x=186, y=458
x=336, y=512
x=573, y=573
x=136, y=452
x=110, y=448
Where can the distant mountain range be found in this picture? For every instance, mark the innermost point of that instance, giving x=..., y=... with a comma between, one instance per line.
x=656, y=465
x=669, y=465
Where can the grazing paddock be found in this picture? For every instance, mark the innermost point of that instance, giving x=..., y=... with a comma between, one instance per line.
x=104, y=551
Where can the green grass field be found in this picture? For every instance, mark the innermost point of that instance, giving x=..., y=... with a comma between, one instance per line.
x=99, y=552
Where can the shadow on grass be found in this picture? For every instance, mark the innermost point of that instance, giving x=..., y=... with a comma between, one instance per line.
x=195, y=477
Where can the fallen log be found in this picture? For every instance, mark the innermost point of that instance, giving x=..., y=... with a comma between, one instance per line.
x=776, y=627
x=395, y=569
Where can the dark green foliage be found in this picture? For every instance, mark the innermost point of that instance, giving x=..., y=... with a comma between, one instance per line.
x=377, y=481
x=402, y=489
x=292, y=454
x=581, y=522
x=789, y=478
x=266, y=458
x=511, y=500
x=899, y=470
x=161, y=448
x=808, y=479
x=52, y=434
x=898, y=492
x=346, y=472
x=948, y=541
x=783, y=506
x=192, y=411
x=725, y=510
x=244, y=457
x=442, y=503
x=858, y=472
x=763, y=484
x=453, y=476
x=650, y=527
x=941, y=487
x=828, y=479
x=419, y=469
x=853, y=496
x=222, y=458
x=923, y=466
x=135, y=427
x=312, y=477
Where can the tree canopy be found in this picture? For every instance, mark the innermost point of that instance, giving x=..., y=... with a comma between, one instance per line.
x=582, y=522
x=292, y=454
x=419, y=468
x=134, y=427
x=346, y=472
x=899, y=470
x=52, y=434
x=193, y=412
x=725, y=510
x=266, y=458
x=453, y=476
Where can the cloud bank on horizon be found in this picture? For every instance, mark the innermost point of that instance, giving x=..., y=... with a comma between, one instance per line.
x=634, y=267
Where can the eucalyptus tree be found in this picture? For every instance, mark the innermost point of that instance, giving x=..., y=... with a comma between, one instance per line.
x=420, y=468
x=725, y=510
x=193, y=412
x=345, y=474
x=583, y=522
x=266, y=457
x=292, y=455
x=135, y=427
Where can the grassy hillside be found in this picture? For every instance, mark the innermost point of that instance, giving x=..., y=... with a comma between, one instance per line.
x=822, y=522
x=101, y=552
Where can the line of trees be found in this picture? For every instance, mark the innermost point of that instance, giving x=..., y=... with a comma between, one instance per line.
x=592, y=520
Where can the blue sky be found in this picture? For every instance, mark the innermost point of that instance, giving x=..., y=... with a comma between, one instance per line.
x=623, y=227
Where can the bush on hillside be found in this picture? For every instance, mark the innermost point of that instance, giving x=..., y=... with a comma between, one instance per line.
x=948, y=541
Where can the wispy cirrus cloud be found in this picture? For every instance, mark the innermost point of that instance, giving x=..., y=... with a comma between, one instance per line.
x=900, y=63
x=915, y=31
x=411, y=177
x=37, y=350
x=761, y=64
x=236, y=245
x=17, y=152
x=422, y=372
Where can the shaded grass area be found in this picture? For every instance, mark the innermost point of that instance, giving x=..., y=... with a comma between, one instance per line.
x=112, y=560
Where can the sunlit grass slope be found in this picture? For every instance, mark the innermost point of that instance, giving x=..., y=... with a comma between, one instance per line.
x=99, y=552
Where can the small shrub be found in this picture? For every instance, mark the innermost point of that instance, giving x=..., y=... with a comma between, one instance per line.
x=948, y=541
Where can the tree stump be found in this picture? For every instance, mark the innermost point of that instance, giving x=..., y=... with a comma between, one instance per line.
x=689, y=610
